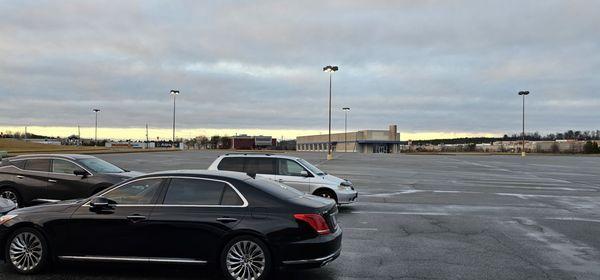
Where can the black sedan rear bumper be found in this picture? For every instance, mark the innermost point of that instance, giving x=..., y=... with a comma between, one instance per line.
x=312, y=253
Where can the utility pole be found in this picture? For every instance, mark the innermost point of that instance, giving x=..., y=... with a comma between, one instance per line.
x=78, y=136
x=147, y=139
x=25, y=133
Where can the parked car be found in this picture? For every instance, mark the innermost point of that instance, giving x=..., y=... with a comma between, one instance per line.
x=32, y=179
x=292, y=171
x=246, y=225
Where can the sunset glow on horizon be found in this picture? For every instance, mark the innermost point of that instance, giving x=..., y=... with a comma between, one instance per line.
x=139, y=133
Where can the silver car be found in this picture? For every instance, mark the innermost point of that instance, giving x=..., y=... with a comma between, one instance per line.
x=292, y=171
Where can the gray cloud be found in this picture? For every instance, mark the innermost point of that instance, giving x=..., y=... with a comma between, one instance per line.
x=426, y=65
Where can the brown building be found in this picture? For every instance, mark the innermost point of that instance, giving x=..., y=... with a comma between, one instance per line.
x=245, y=142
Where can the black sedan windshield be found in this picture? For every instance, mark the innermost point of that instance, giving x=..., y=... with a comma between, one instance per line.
x=100, y=166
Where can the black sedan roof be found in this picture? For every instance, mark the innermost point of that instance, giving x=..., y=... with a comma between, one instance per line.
x=202, y=173
x=65, y=156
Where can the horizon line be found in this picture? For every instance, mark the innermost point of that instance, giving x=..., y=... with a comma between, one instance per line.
x=139, y=133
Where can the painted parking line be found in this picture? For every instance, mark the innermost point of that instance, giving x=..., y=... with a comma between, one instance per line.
x=573, y=219
x=365, y=229
x=402, y=213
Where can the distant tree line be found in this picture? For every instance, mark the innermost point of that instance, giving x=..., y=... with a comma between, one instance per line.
x=214, y=142
x=464, y=140
x=535, y=136
x=226, y=142
x=567, y=135
x=591, y=148
x=21, y=135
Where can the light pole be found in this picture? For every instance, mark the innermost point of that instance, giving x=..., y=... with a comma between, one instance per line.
x=523, y=93
x=346, y=110
x=96, y=127
x=330, y=69
x=174, y=93
x=147, y=139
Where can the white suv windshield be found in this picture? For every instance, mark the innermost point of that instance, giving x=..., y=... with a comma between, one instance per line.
x=312, y=168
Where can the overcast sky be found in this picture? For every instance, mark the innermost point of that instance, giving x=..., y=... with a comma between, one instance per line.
x=428, y=66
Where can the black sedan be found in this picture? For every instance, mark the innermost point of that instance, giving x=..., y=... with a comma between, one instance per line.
x=245, y=225
x=31, y=179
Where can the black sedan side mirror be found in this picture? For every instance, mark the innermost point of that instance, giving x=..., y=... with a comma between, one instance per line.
x=81, y=172
x=102, y=204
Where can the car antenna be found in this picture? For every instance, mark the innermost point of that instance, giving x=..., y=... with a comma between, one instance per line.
x=253, y=175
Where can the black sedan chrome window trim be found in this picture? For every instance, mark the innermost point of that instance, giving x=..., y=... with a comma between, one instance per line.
x=241, y=196
x=49, y=172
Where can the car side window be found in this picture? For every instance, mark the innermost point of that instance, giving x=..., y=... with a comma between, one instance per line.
x=18, y=163
x=232, y=164
x=258, y=165
x=137, y=192
x=38, y=165
x=200, y=192
x=64, y=167
x=230, y=197
x=290, y=168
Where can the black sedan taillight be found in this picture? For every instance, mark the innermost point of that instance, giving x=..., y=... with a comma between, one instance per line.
x=315, y=221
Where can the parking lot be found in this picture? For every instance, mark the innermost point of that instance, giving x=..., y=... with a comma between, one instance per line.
x=428, y=217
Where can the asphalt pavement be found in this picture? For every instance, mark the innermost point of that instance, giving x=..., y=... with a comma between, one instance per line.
x=427, y=217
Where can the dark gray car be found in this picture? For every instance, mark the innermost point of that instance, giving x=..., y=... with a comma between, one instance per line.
x=32, y=179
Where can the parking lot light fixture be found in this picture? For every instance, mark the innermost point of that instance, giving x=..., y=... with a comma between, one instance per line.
x=346, y=110
x=96, y=127
x=174, y=93
x=330, y=69
x=523, y=93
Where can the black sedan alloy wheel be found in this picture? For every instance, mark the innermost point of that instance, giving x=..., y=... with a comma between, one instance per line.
x=26, y=251
x=246, y=258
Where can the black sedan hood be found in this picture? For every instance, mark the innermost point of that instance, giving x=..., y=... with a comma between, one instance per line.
x=131, y=174
x=124, y=176
x=49, y=207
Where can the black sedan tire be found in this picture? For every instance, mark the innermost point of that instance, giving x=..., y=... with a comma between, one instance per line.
x=246, y=258
x=26, y=251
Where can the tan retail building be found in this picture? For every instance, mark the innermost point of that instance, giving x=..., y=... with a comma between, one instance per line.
x=363, y=141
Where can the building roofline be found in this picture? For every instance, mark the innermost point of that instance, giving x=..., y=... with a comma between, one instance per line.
x=349, y=132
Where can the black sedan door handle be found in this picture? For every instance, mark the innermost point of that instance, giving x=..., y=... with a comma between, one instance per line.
x=227, y=220
x=136, y=218
x=51, y=181
x=19, y=177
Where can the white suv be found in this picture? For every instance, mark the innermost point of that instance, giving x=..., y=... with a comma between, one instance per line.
x=292, y=171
